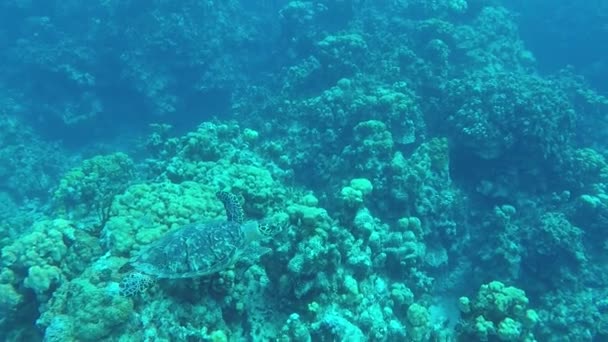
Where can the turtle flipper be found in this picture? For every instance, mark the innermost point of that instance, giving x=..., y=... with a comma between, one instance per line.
x=234, y=210
x=251, y=253
x=135, y=283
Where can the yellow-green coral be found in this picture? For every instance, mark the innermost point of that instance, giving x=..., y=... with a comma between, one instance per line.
x=373, y=138
x=497, y=310
x=9, y=297
x=354, y=194
x=144, y=212
x=255, y=183
x=44, y=258
x=417, y=315
x=501, y=300
x=41, y=278
x=308, y=216
x=418, y=319
x=401, y=294
x=45, y=244
x=89, y=188
x=509, y=330
x=147, y=211
x=95, y=312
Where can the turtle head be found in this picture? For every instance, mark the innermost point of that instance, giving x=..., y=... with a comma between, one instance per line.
x=268, y=228
x=261, y=229
x=274, y=225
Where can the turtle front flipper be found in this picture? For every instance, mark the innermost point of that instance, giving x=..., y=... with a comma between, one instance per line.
x=234, y=210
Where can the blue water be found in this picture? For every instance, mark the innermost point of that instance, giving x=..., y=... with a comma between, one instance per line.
x=438, y=168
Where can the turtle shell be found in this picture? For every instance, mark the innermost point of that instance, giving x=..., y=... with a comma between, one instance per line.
x=193, y=250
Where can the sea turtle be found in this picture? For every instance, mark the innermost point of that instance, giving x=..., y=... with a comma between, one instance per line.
x=199, y=249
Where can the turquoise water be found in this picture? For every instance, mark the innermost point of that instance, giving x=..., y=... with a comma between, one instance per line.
x=437, y=168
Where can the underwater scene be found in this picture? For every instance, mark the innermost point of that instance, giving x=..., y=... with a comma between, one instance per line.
x=331, y=170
